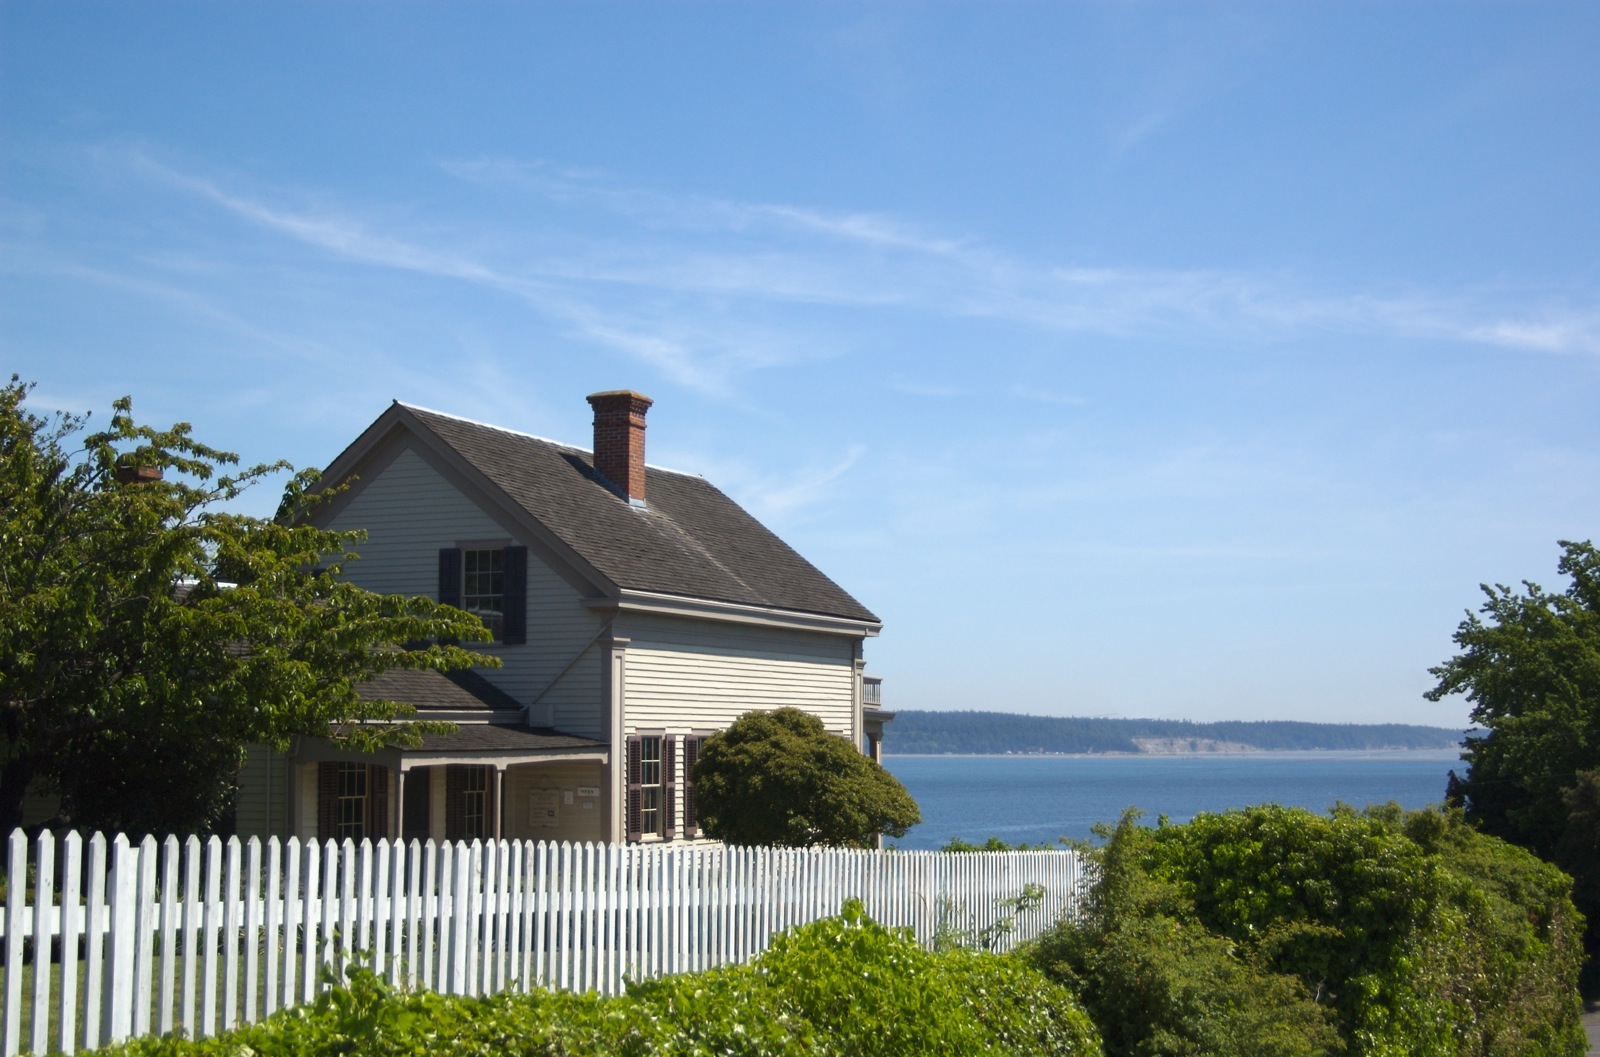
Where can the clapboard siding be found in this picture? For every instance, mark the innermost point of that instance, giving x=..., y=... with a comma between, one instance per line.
x=409, y=512
x=696, y=675
x=263, y=798
x=575, y=822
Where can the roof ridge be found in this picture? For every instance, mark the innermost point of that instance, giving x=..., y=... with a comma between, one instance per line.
x=533, y=436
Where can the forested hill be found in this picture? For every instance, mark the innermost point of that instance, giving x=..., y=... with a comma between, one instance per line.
x=998, y=733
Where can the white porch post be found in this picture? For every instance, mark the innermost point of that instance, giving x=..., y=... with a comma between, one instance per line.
x=499, y=800
x=615, y=696
x=399, y=831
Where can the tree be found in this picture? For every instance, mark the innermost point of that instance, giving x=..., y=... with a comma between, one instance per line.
x=147, y=633
x=780, y=778
x=1531, y=668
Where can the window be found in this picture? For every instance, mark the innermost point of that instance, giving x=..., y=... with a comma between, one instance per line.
x=652, y=786
x=352, y=801
x=872, y=692
x=483, y=589
x=492, y=584
x=475, y=803
x=470, y=802
x=650, y=801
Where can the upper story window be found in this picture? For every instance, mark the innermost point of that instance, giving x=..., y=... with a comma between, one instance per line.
x=490, y=582
x=483, y=588
x=871, y=691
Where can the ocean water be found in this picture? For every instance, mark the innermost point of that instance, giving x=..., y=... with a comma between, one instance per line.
x=1041, y=798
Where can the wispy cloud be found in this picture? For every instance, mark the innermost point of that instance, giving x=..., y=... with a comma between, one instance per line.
x=685, y=283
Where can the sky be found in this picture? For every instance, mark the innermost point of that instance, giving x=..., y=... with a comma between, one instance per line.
x=1127, y=359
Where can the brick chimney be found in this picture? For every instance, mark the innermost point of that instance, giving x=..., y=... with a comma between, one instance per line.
x=619, y=440
x=128, y=472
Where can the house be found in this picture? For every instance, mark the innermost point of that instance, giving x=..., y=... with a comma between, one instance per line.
x=635, y=611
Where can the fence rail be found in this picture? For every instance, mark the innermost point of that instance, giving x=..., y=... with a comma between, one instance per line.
x=108, y=940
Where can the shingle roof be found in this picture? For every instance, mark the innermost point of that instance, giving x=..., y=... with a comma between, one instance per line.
x=691, y=540
x=488, y=737
x=467, y=691
x=428, y=690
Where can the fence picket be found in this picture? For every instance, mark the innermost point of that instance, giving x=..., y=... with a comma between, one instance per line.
x=171, y=860
x=44, y=888
x=144, y=938
x=71, y=929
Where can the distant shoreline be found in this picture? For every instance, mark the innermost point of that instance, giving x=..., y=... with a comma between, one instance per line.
x=1438, y=753
x=914, y=732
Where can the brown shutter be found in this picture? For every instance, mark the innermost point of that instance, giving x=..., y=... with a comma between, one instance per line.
x=635, y=819
x=327, y=801
x=691, y=756
x=377, y=801
x=455, y=802
x=669, y=785
x=514, y=613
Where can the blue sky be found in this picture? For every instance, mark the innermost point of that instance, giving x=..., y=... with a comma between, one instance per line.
x=1128, y=359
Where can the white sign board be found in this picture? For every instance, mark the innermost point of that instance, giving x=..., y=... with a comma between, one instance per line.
x=545, y=805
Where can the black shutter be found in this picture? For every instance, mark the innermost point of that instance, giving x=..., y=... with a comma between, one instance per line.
x=327, y=801
x=377, y=802
x=635, y=818
x=455, y=802
x=691, y=756
x=450, y=576
x=514, y=619
x=669, y=786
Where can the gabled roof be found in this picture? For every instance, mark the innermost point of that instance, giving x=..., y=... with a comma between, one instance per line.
x=690, y=541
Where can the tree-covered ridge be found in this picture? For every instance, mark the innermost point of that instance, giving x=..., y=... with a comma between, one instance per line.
x=999, y=733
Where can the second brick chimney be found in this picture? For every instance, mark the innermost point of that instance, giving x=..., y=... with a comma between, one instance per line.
x=619, y=440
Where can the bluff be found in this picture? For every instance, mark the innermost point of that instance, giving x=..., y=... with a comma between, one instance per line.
x=1002, y=733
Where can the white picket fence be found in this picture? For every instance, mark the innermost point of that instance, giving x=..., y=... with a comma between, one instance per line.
x=201, y=936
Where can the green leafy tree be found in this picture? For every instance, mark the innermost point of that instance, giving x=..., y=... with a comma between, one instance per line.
x=780, y=778
x=147, y=633
x=1530, y=666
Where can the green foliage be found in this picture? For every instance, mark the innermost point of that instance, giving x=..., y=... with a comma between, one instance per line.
x=1418, y=934
x=1158, y=984
x=992, y=844
x=1509, y=965
x=147, y=634
x=1530, y=665
x=843, y=987
x=780, y=778
x=952, y=933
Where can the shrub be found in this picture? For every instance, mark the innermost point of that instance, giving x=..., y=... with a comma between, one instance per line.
x=1423, y=937
x=1156, y=983
x=842, y=986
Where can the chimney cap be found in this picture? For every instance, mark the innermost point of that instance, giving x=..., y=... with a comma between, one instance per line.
x=617, y=394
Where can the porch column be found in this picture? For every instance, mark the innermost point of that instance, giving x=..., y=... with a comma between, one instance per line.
x=614, y=693
x=499, y=800
x=399, y=831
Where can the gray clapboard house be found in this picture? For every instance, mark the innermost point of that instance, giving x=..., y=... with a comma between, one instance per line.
x=635, y=611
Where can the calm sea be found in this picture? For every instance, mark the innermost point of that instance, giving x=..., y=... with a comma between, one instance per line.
x=1040, y=798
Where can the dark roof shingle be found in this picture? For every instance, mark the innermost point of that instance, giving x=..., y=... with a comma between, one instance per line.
x=691, y=540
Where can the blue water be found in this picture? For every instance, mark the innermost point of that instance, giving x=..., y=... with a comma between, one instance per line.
x=1040, y=798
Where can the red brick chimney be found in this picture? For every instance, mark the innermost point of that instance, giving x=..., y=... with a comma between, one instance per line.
x=619, y=439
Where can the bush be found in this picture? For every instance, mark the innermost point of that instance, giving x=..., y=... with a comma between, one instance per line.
x=1418, y=934
x=842, y=986
x=779, y=778
x=1157, y=983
